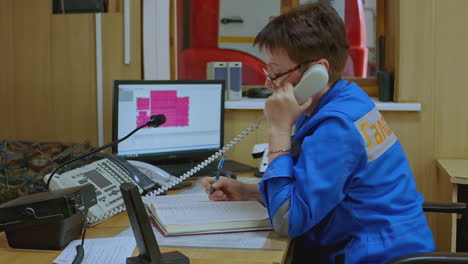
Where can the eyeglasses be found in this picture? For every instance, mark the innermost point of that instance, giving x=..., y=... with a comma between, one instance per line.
x=286, y=72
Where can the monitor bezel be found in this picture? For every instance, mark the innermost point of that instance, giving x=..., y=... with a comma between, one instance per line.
x=155, y=158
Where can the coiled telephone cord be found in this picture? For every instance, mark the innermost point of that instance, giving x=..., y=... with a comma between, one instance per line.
x=186, y=175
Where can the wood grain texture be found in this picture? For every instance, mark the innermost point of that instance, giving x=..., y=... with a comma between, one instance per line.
x=113, y=56
x=237, y=121
x=450, y=67
x=7, y=73
x=197, y=255
x=432, y=65
x=72, y=87
x=450, y=116
x=48, y=74
x=48, y=85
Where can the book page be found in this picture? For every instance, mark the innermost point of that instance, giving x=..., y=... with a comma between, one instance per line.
x=264, y=240
x=195, y=208
x=100, y=250
x=174, y=199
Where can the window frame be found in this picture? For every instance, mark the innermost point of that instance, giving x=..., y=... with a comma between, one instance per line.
x=386, y=25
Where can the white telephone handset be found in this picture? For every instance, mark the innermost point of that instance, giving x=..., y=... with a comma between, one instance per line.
x=154, y=173
x=313, y=81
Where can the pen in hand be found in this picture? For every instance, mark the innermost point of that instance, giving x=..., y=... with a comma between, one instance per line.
x=218, y=172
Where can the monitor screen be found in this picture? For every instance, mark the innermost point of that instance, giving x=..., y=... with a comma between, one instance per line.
x=194, y=113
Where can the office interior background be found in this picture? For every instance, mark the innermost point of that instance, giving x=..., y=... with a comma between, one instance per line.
x=49, y=76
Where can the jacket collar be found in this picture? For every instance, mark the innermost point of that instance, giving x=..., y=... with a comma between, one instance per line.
x=326, y=98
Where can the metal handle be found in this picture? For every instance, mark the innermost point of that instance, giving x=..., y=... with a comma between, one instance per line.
x=226, y=20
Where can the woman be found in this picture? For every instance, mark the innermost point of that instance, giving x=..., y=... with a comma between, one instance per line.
x=341, y=186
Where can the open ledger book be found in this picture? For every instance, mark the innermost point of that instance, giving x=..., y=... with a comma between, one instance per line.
x=191, y=214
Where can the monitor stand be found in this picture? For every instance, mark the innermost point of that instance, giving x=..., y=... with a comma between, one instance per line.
x=147, y=246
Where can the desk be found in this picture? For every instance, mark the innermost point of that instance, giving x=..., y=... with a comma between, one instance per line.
x=457, y=172
x=120, y=222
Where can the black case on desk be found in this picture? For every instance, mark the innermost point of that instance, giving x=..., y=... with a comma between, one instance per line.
x=47, y=220
x=52, y=233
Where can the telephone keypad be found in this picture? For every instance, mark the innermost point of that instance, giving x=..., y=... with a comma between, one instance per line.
x=110, y=188
x=106, y=176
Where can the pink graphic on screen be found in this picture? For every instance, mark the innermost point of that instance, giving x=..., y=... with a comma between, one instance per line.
x=175, y=108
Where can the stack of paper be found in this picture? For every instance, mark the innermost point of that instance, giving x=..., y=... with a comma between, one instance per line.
x=100, y=250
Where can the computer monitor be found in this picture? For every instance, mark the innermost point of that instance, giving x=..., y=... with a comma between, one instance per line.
x=195, y=119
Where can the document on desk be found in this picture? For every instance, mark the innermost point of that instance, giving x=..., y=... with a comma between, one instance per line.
x=190, y=214
x=113, y=250
x=244, y=240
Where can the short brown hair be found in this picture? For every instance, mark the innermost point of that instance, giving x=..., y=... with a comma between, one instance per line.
x=310, y=31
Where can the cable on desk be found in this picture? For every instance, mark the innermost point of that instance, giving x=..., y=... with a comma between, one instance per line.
x=80, y=248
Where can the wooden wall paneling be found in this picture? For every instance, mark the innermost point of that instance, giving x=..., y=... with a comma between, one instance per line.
x=114, y=6
x=416, y=81
x=369, y=85
x=73, y=79
x=450, y=119
x=406, y=128
x=415, y=76
x=7, y=95
x=416, y=51
x=113, y=57
x=380, y=25
x=48, y=84
x=48, y=73
x=31, y=39
x=451, y=108
x=237, y=121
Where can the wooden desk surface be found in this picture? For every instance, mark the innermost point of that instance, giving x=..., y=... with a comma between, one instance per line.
x=120, y=222
x=456, y=169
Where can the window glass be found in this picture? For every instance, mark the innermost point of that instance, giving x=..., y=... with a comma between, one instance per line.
x=224, y=31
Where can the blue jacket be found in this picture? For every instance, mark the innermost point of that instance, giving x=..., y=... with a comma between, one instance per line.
x=347, y=188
